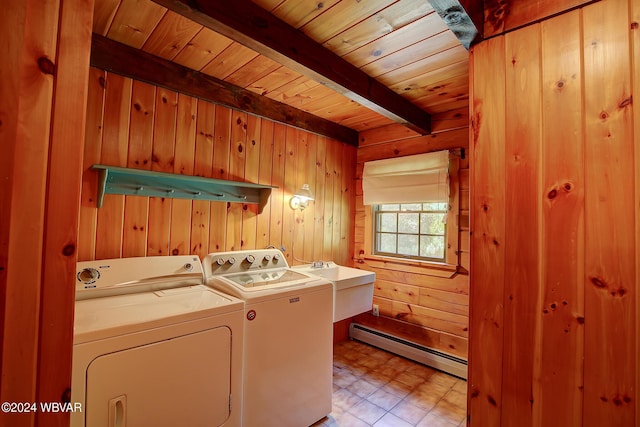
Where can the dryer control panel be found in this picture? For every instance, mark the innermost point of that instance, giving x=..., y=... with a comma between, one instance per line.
x=118, y=276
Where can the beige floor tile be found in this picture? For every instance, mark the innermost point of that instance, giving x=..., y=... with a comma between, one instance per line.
x=423, y=399
x=461, y=386
x=375, y=388
x=410, y=379
x=344, y=378
x=349, y=420
x=362, y=388
x=444, y=379
x=408, y=412
x=384, y=399
x=344, y=399
x=367, y=411
x=432, y=420
x=390, y=420
x=456, y=398
x=397, y=388
x=449, y=412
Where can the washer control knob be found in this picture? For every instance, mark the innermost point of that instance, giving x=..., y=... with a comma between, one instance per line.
x=88, y=275
x=250, y=258
x=188, y=266
x=276, y=257
x=267, y=258
x=232, y=261
x=220, y=261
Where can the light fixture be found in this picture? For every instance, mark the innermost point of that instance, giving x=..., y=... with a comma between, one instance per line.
x=301, y=198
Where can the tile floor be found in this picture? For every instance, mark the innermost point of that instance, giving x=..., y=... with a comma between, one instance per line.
x=372, y=387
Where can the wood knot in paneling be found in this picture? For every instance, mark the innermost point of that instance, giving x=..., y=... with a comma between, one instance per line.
x=46, y=65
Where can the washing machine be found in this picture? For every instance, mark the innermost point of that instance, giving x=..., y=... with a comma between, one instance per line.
x=288, y=343
x=153, y=346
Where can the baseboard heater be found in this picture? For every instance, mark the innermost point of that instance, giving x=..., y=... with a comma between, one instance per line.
x=402, y=347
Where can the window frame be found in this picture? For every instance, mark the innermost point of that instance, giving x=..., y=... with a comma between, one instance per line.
x=452, y=258
x=377, y=212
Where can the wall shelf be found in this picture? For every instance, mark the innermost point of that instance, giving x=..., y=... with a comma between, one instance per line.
x=136, y=182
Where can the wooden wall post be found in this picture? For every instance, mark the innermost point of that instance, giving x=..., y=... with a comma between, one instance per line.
x=42, y=112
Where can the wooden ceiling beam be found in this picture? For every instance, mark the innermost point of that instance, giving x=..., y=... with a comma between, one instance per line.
x=256, y=28
x=121, y=59
x=464, y=17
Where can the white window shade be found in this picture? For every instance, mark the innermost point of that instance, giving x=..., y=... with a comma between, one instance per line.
x=411, y=179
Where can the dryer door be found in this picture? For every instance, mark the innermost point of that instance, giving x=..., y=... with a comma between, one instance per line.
x=183, y=381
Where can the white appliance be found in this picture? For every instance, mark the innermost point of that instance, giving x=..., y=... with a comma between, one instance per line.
x=153, y=346
x=288, y=336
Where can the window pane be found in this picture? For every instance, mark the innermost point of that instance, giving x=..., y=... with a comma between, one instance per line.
x=388, y=222
x=407, y=244
x=432, y=246
x=411, y=207
x=432, y=223
x=435, y=207
x=389, y=207
x=386, y=243
x=408, y=223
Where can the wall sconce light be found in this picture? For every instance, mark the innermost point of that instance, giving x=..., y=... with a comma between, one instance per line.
x=301, y=198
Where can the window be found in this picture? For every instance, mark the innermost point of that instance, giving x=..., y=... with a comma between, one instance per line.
x=411, y=230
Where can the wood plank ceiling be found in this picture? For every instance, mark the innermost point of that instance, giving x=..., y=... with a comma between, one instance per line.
x=404, y=44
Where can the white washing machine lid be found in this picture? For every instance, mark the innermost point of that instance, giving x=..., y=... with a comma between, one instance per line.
x=101, y=318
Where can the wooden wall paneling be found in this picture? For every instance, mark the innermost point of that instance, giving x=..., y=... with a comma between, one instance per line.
x=136, y=208
x=500, y=17
x=201, y=215
x=452, y=344
x=557, y=391
x=237, y=158
x=115, y=144
x=319, y=193
x=457, y=284
x=336, y=153
x=450, y=302
x=308, y=220
x=64, y=179
x=328, y=201
x=162, y=160
x=421, y=316
x=610, y=273
x=28, y=32
x=290, y=182
x=251, y=174
x=235, y=56
x=277, y=180
x=397, y=291
x=88, y=219
x=299, y=231
x=183, y=163
x=221, y=141
x=635, y=41
x=263, y=237
x=522, y=228
x=348, y=205
x=458, y=138
x=452, y=253
x=487, y=232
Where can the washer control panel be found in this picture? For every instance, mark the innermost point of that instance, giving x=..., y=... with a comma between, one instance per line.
x=239, y=261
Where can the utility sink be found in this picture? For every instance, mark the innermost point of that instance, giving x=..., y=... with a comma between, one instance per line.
x=352, y=287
